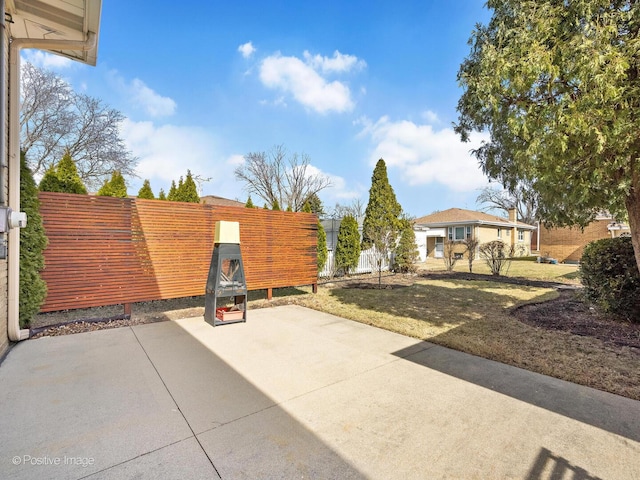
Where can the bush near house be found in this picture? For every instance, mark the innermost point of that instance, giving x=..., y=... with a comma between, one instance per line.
x=33, y=241
x=610, y=275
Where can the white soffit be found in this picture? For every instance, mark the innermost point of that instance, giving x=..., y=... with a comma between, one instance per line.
x=56, y=20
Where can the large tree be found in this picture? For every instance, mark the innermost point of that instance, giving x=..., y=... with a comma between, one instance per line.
x=382, y=218
x=556, y=85
x=383, y=211
x=278, y=177
x=55, y=119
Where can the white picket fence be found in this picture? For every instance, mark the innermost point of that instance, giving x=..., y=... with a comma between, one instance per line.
x=366, y=264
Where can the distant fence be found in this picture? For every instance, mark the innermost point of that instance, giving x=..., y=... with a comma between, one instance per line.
x=366, y=264
x=109, y=251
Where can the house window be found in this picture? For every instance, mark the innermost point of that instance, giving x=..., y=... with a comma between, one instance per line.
x=499, y=233
x=459, y=233
x=521, y=235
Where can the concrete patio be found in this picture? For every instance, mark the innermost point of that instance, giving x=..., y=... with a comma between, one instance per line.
x=294, y=393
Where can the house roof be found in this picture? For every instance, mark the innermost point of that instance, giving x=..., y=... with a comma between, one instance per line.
x=223, y=202
x=70, y=20
x=458, y=216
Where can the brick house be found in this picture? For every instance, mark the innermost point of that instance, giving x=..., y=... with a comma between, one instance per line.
x=458, y=224
x=567, y=244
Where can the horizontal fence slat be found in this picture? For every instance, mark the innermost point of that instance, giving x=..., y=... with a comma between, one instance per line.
x=106, y=251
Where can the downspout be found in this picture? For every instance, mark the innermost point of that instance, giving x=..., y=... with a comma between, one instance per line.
x=13, y=266
x=3, y=106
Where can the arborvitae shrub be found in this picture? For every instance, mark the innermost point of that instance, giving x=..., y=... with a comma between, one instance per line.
x=33, y=241
x=610, y=276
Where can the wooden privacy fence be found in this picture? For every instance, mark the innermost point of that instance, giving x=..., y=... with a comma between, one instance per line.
x=108, y=251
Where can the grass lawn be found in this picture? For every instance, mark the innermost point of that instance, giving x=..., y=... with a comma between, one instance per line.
x=475, y=317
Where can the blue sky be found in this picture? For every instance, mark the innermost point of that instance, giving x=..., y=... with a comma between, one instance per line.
x=204, y=83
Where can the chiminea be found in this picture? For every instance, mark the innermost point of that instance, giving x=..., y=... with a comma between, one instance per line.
x=226, y=278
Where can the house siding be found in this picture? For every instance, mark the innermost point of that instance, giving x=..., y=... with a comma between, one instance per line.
x=567, y=244
x=4, y=315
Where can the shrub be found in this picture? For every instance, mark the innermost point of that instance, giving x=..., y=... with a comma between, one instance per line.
x=114, y=187
x=471, y=245
x=145, y=191
x=610, y=276
x=406, y=254
x=498, y=255
x=450, y=251
x=63, y=178
x=33, y=240
x=321, y=247
x=347, y=252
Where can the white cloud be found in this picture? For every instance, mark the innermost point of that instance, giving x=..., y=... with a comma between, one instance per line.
x=247, y=49
x=424, y=155
x=303, y=80
x=154, y=104
x=47, y=60
x=142, y=97
x=338, y=63
x=431, y=117
x=163, y=157
x=235, y=160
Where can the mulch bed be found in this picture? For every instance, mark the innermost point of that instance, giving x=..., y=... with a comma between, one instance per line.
x=569, y=313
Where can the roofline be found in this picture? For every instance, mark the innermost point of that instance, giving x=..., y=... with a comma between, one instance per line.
x=523, y=226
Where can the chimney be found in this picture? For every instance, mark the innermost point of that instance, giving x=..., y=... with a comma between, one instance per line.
x=513, y=215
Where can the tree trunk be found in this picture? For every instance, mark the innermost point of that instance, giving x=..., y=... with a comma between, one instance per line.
x=632, y=203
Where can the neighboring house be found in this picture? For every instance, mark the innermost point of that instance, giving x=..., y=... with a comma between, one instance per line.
x=457, y=224
x=220, y=201
x=567, y=244
x=70, y=29
x=332, y=227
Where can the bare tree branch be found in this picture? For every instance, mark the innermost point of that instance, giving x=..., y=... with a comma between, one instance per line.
x=275, y=176
x=524, y=198
x=54, y=118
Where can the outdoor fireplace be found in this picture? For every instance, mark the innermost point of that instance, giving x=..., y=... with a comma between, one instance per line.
x=226, y=278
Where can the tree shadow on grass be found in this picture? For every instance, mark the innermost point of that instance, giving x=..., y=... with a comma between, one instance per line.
x=440, y=302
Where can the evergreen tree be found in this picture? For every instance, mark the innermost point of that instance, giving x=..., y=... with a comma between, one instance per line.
x=33, y=240
x=105, y=189
x=115, y=187
x=172, y=192
x=145, y=191
x=266, y=207
x=321, y=247
x=63, y=178
x=406, y=254
x=306, y=208
x=275, y=205
x=249, y=203
x=161, y=195
x=348, y=245
x=316, y=205
x=383, y=210
x=50, y=181
x=187, y=190
x=289, y=209
x=69, y=177
x=179, y=190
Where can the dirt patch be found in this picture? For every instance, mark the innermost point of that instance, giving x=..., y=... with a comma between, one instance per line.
x=569, y=313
